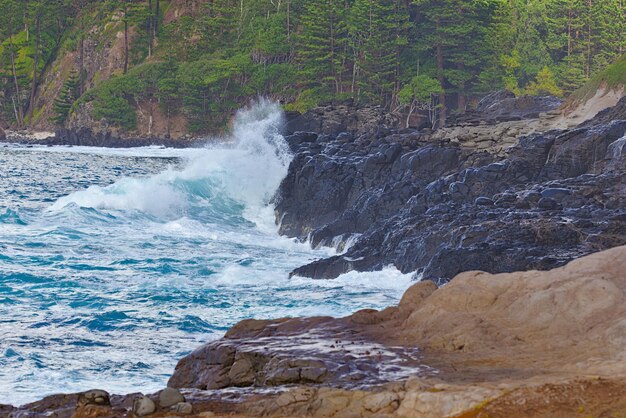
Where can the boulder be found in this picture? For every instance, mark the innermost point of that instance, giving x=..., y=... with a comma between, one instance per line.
x=143, y=406
x=94, y=397
x=169, y=397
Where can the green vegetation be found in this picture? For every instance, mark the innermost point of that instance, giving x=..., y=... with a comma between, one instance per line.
x=613, y=77
x=210, y=57
x=68, y=96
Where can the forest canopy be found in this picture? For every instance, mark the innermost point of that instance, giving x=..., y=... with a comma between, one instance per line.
x=220, y=53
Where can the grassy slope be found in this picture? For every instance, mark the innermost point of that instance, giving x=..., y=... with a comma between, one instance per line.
x=612, y=78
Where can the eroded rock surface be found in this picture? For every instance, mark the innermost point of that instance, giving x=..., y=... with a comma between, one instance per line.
x=525, y=344
x=459, y=199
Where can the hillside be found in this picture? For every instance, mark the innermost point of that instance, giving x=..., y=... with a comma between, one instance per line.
x=173, y=68
x=612, y=79
x=602, y=91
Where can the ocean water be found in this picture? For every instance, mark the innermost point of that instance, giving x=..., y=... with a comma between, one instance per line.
x=114, y=264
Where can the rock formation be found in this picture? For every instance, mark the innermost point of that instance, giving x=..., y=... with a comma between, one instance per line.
x=514, y=196
x=524, y=344
x=498, y=192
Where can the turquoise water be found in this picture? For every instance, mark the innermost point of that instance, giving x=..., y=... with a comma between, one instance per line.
x=116, y=263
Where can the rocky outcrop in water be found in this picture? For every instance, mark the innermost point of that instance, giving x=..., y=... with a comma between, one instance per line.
x=457, y=200
x=577, y=311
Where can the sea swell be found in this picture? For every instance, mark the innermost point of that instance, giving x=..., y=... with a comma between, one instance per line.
x=115, y=264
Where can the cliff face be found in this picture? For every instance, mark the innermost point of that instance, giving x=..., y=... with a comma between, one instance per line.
x=100, y=55
x=500, y=197
x=97, y=56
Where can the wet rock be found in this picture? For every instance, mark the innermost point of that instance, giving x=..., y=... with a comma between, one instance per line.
x=143, y=406
x=437, y=207
x=548, y=203
x=169, y=397
x=556, y=194
x=484, y=201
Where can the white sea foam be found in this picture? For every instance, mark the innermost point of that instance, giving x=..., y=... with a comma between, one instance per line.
x=246, y=167
x=183, y=255
x=147, y=152
x=387, y=279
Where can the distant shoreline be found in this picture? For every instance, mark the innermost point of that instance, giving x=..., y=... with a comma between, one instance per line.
x=71, y=138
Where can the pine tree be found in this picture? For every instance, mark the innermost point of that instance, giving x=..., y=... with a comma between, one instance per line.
x=544, y=84
x=321, y=46
x=572, y=73
x=67, y=97
x=452, y=32
x=377, y=32
x=501, y=59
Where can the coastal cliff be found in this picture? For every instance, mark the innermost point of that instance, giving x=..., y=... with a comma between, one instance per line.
x=493, y=195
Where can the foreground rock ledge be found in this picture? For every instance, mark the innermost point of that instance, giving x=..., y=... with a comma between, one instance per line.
x=528, y=344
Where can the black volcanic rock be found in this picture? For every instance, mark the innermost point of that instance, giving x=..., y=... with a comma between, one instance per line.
x=504, y=106
x=88, y=137
x=336, y=118
x=439, y=208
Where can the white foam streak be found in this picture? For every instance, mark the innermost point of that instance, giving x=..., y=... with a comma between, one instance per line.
x=387, y=279
x=617, y=148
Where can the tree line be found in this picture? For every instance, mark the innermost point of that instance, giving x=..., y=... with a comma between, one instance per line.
x=402, y=54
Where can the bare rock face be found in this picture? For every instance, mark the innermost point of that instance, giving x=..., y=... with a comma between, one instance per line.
x=561, y=320
x=491, y=198
x=344, y=117
x=507, y=345
x=504, y=106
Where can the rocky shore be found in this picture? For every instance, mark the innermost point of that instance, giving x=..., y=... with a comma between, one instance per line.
x=525, y=225
x=511, y=196
x=89, y=138
x=527, y=344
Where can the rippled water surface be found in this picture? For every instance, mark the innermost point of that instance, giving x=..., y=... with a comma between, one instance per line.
x=116, y=263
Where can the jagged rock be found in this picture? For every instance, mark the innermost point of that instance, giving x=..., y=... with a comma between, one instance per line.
x=503, y=106
x=336, y=118
x=556, y=193
x=429, y=204
x=507, y=327
x=484, y=201
x=548, y=203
